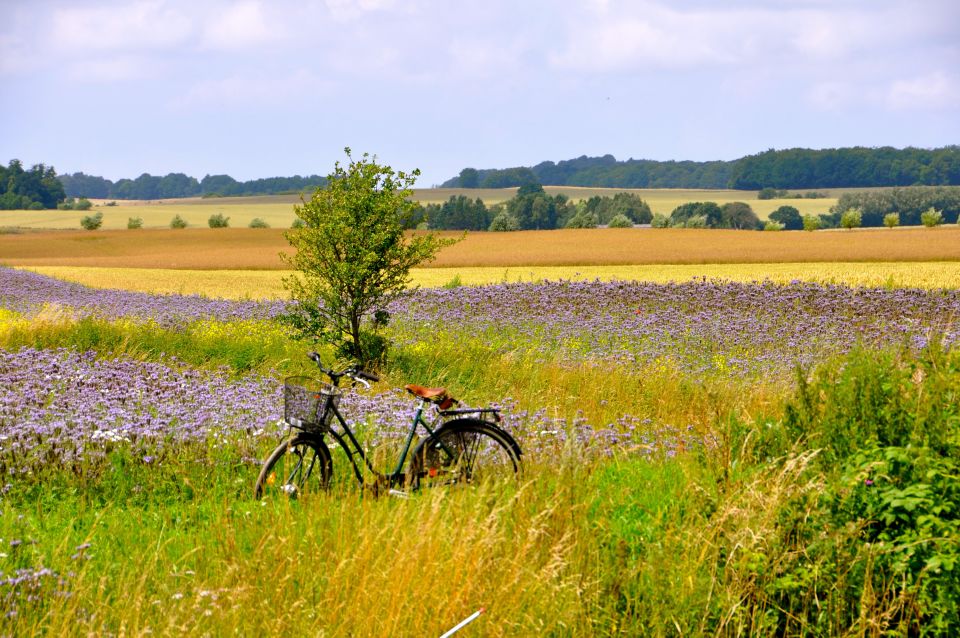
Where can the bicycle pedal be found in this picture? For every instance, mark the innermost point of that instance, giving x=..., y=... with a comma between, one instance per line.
x=398, y=494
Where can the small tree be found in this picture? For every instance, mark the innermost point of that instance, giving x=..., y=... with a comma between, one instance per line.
x=891, y=219
x=217, y=220
x=504, y=221
x=773, y=226
x=256, y=222
x=931, y=217
x=92, y=222
x=851, y=218
x=660, y=221
x=582, y=219
x=83, y=204
x=811, y=223
x=789, y=216
x=620, y=221
x=133, y=223
x=354, y=256
x=178, y=222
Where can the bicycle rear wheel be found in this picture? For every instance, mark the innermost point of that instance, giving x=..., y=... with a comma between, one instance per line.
x=301, y=464
x=464, y=452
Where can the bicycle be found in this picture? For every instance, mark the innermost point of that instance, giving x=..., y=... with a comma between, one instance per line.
x=463, y=446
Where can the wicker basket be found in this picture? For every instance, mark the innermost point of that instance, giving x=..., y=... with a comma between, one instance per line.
x=303, y=401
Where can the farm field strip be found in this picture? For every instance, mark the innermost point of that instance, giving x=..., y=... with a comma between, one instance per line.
x=242, y=248
x=277, y=210
x=267, y=284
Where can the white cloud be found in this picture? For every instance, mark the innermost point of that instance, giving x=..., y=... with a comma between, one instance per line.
x=351, y=9
x=108, y=69
x=150, y=24
x=240, y=25
x=243, y=90
x=935, y=90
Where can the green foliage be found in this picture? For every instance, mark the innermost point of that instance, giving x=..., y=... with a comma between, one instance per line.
x=789, y=216
x=710, y=212
x=217, y=220
x=178, y=222
x=353, y=257
x=882, y=532
x=660, y=221
x=931, y=218
x=891, y=220
x=503, y=222
x=739, y=216
x=92, y=222
x=83, y=204
x=37, y=188
x=175, y=185
x=846, y=167
x=297, y=223
x=458, y=213
x=134, y=223
x=620, y=221
x=630, y=205
x=533, y=209
x=256, y=222
x=582, y=219
x=910, y=203
x=773, y=226
x=851, y=218
x=811, y=223
x=469, y=178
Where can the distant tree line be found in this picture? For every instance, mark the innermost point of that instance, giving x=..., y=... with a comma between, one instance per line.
x=908, y=203
x=790, y=168
x=533, y=209
x=33, y=189
x=174, y=185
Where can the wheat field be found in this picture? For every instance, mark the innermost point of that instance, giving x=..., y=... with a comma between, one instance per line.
x=248, y=249
x=268, y=284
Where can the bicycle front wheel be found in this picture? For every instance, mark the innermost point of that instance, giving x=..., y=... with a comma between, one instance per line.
x=301, y=464
x=464, y=452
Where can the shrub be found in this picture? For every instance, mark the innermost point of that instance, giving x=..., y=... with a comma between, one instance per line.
x=92, y=222
x=660, y=221
x=811, y=223
x=83, y=204
x=298, y=223
x=66, y=204
x=882, y=527
x=582, y=219
x=504, y=222
x=697, y=221
x=774, y=226
x=110, y=204
x=134, y=223
x=891, y=219
x=931, y=217
x=256, y=222
x=217, y=220
x=851, y=218
x=620, y=221
x=178, y=222
x=36, y=206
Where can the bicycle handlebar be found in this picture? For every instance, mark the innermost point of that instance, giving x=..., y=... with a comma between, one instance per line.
x=352, y=372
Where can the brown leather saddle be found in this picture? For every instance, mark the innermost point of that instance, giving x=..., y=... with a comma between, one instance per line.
x=434, y=395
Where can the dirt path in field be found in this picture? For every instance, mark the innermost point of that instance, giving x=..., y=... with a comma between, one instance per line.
x=241, y=248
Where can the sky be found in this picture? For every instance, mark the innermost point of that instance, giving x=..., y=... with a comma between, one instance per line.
x=279, y=87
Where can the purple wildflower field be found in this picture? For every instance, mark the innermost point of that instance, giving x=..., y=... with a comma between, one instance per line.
x=28, y=292
x=698, y=326
x=61, y=406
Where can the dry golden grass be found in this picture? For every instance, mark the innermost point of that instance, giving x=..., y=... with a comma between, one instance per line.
x=277, y=210
x=246, y=249
x=267, y=284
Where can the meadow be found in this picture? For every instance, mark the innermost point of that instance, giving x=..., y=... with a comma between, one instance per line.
x=277, y=210
x=767, y=451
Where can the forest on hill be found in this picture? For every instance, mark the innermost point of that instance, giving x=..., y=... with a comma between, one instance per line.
x=856, y=167
x=175, y=185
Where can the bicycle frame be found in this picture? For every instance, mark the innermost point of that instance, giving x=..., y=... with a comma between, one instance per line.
x=396, y=476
